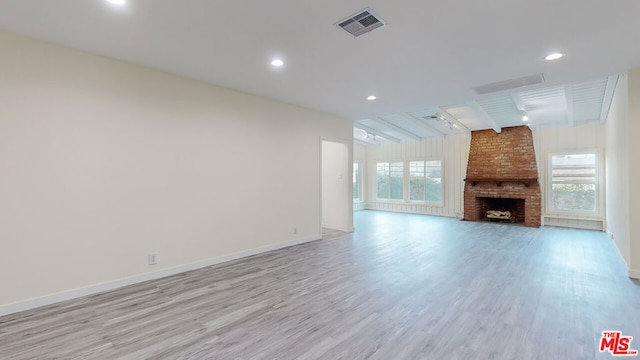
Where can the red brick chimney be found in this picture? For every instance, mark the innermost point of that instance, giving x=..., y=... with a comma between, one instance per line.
x=502, y=175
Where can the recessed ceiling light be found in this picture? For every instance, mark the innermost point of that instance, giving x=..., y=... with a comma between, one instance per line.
x=554, y=56
x=117, y=2
x=277, y=62
x=371, y=97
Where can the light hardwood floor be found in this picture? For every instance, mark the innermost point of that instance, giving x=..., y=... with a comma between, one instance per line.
x=400, y=287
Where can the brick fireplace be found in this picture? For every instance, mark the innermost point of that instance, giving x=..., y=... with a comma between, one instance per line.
x=502, y=175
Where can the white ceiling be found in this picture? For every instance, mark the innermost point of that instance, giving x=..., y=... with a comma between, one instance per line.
x=425, y=62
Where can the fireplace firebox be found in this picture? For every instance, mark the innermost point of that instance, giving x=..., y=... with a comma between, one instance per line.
x=509, y=210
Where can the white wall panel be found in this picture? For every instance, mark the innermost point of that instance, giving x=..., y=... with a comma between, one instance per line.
x=579, y=138
x=632, y=163
x=623, y=156
x=103, y=162
x=452, y=150
x=360, y=157
x=335, y=190
x=617, y=169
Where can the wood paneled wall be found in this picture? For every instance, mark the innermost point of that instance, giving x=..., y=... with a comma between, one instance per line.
x=558, y=140
x=452, y=150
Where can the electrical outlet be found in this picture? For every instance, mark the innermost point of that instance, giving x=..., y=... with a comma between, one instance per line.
x=295, y=230
x=153, y=259
x=611, y=235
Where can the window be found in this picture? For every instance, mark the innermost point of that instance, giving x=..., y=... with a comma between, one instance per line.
x=389, y=179
x=356, y=181
x=425, y=181
x=574, y=184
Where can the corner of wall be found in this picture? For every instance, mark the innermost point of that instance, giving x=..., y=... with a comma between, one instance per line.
x=616, y=181
x=633, y=172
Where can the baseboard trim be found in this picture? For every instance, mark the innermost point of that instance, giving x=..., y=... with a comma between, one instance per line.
x=116, y=284
x=339, y=228
x=634, y=274
x=414, y=213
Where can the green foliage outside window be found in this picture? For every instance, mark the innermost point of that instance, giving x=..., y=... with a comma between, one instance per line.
x=580, y=197
x=574, y=182
x=390, y=181
x=425, y=181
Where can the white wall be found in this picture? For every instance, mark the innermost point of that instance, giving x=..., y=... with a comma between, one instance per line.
x=557, y=140
x=336, y=186
x=360, y=157
x=617, y=169
x=623, y=157
x=103, y=162
x=452, y=150
x=633, y=162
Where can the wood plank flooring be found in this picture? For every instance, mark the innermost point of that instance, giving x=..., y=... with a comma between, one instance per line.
x=401, y=287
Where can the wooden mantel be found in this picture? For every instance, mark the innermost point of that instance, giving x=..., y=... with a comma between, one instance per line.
x=500, y=181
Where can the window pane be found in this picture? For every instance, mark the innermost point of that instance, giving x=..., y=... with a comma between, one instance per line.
x=396, y=170
x=425, y=182
x=579, y=168
x=574, y=197
x=573, y=182
x=433, y=173
x=382, y=180
x=356, y=181
x=417, y=186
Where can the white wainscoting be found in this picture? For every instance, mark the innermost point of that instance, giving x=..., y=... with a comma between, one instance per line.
x=573, y=222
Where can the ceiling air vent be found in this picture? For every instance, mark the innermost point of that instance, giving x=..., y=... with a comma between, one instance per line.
x=509, y=84
x=361, y=23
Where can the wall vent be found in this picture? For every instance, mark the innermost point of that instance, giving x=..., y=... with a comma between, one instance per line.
x=361, y=23
x=509, y=84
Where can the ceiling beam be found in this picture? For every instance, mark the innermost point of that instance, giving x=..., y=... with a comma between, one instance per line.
x=612, y=82
x=517, y=101
x=457, y=124
x=397, y=128
x=361, y=142
x=568, y=96
x=376, y=132
x=484, y=116
x=421, y=122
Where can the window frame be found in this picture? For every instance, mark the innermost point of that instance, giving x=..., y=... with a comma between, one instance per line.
x=404, y=169
x=598, y=182
x=442, y=182
x=358, y=180
x=406, y=182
